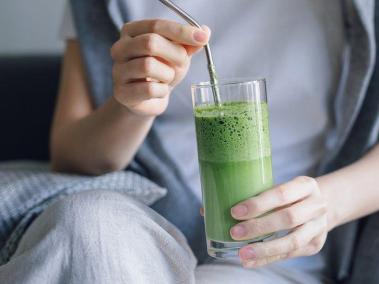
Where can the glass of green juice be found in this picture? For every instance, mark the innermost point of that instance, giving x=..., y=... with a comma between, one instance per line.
x=234, y=152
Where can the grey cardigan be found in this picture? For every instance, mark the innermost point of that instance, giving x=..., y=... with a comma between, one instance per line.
x=352, y=249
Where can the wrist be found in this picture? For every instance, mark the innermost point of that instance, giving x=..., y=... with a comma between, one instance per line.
x=123, y=110
x=332, y=207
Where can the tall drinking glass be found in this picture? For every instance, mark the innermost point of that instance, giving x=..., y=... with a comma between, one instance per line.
x=234, y=153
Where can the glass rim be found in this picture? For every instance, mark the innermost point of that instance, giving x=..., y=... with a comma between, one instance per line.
x=228, y=82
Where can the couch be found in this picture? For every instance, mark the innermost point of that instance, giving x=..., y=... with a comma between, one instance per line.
x=28, y=88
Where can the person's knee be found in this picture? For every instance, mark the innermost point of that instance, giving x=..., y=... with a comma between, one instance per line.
x=112, y=216
x=95, y=214
x=80, y=221
x=120, y=224
x=102, y=227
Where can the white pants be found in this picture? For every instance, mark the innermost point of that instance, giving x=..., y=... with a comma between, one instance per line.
x=105, y=237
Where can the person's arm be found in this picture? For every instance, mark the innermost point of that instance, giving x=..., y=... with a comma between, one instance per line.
x=352, y=192
x=88, y=141
x=308, y=208
x=150, y=58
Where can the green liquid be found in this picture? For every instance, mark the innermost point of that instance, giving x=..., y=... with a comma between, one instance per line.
x=235, y=160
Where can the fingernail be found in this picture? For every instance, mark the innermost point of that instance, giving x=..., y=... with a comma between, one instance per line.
x=200, y=36
x=239, y=211
x=247, y=253
x=238, y=231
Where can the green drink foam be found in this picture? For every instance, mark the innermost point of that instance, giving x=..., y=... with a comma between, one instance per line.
x=233, y=132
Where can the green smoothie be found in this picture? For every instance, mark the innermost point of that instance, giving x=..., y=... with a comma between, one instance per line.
x=235, y=160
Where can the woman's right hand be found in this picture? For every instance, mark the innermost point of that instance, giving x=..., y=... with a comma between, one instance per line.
x=150, y=58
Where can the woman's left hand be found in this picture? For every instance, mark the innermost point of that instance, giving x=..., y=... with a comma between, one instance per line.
x=297, y=206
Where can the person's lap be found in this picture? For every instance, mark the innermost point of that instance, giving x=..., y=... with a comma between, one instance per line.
x=106, y=237
x=232, y=273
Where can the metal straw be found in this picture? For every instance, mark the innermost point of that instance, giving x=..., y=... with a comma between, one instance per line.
x=211, y=66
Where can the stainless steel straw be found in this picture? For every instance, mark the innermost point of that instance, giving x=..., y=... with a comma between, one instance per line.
x=211, y=66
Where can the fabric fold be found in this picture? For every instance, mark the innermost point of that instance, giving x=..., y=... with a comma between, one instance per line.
x=27, y=188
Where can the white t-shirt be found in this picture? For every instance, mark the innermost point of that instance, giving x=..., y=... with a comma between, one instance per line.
x=297, y=45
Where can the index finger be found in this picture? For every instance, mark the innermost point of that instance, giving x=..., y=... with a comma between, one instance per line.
x=292, y=244
x=282, y=195
x=183, y=34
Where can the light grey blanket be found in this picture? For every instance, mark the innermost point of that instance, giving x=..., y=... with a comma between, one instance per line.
x=27, y=188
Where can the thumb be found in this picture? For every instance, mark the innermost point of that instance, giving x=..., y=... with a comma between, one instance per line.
x=191, y=50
